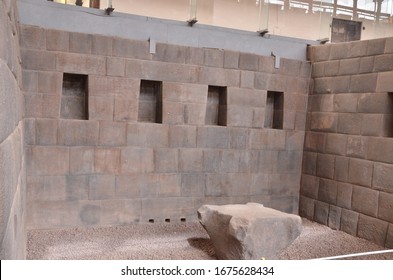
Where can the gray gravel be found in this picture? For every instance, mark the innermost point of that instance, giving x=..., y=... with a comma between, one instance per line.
x=177, y=241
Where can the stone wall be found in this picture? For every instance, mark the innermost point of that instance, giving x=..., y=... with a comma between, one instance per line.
x=347, y=180
x=113, y=169
x=12, y=167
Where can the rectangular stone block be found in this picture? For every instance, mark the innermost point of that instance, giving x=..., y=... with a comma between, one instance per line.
x=246, y=97
x=314, y=142
x=349, y=123
x=357, y=146
x=319, y=53
x=81, y=63
x=230, y=160
x=30, y=81
x=166, y=160
x=334, y=217
x=321, y=213
x=318, y=70
x=80, y=43
x=364, y=83
x=42, y=106
x=46, y=131
x=372, y=229
x=327, y=191
x=341, y=168
x=147, y=135
x=231, y=59
x=107, y=161
x=194, y=114
x=46, y=188
x=376, y=46
x=195, y=56
x=336, y=144
x=130, y=48
x=366, y=64
x=332, y=68
x=260, y=185
x=383, y=177
x=258, y=119
x=38, y=60
x=182, y=136
x=309, y=163
x=380, y=149
x=185, y=93
x=29, y=135
x=389, y=237
x=258, y=139
x=276, y=139
x=77, y=187
x=345, y=103
x=192, y=184
x=337, y=84
x=211, y=160
x=112, y=134
x=372, y=124
x=101, y=187
x=339, y=51
x=247, y=79
x=104, y=86
x=306, y=207
x=137, y=185
x=32, y=37
x=349, y=221
x=213, y=137
x=309, y=186
x=101, y=108
x=170, y=53
x=284, y=184
x=365, y=201
x=173, y=113
x=385, y=207
x=78, y=133
x=290, y=66
x=349, y=66
x=81, y=160
x=57, y=40
x=377, y=103
x=115, y=66
x=239, y=138
x=261, y=81
x=125, y=109
x=190, y=160
x=325, y=166
x=239, y=116
x=50, y=82
x=264, y=161
x=214, y=57
x=248, y=61
x=47, y=160
x=383, y=63
x=344, y=195
x=136, y=160
x=384, y=82
x=360, y=172
x=170, y=185
x=101, y=45
x=326, y=122
x=231, y=184
x=289, y=162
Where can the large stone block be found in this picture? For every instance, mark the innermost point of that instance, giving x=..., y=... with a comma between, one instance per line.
x=336, y=144
x=314, y=142
x=57, y=40
x=136, y=160
x=112, y=134
x=42, y=106
x=384, y=82
x=81, y=63
x=46, y=131
x=345, y=103
x=125, y=109
x=376, y=46
x=372, y=124
x=349, y=123
x=101, y=45
x=170, y=185
x=170, y=53
x=190, y=160
x=326, y=122
x=306, y=207
x=239, y=116
x=47, y=160
x=327, y=191
x=140, y=185
x=104, y=86
x=380, y=149
x=107, y=161
x=264, y=161
x=309, y=163
x=321, y=213
x=81, y=160
x=319, y=53
x=38, y=60
x=229, y=184
x=214, y=57
x=211, y=160
x=383, y=177
x=130, y=48
x=115, y=66
x=80, y=43
x=325, y=166
x=385, y=207
x=383, y=63
x=339, y=51
x=78, y=133
x=372, y=229
x=185, y=93
x=334, y=217
x=166, y=160
x=239, y=138
x=248, y=231
x=50, y=82
x=248, y=61
x=389, y=236
x=364, y=83
x=192, y=184
x=360, y=172
x=331, y=68
x=349, y=221
x=213, y=137
x=349, y=66
x=357, y=146
x=365, y=201
x=231, y=59
x=101, y=187
x=195, y=56
x=366, y=64
x=377, y=103
x=182, y=136
x=101, y=108
x=32, y=37
x=247, y=79
x=147, y=135
x=344, y=195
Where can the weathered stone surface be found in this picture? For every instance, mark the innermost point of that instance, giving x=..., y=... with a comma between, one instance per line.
x=248, y=231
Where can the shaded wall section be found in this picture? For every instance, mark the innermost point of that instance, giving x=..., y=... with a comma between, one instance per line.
x=145, y=151
x=12, y=169
x=347, y=180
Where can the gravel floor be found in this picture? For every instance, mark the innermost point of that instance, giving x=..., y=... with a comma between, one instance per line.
x=178, y=241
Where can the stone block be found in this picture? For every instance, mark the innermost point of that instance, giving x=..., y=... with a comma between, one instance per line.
x=78, y=133
x=338, y=84
x=182, y=136
x=77, y=187
x=247, y=79
x=364, y=83
x=258, y=119
x=380, y=149
x=341, y=169
x=170, y=185
x=136, y=160
x=230, y=160
x=319, y=53
x=185, y=93
x=289, y=162
x=46, y=188
x=309, y=163
x=357, y=48
x=360, y=172
x=264, y=161
x=170, y=53
x=322, y=102
x=326, y=122
x=194, y=114
x=47, y=160
x=276, y=139
x=327, y=191
x=376, y=46
x=372, y=229
x=357, y=146
x=101, y=187
x=211, y=160
x=366, y=64
x=384, y=82
x=349, y=221
x=32, y=37
x=190, y=160
x=101, y=108
x=115, y=66
x=349, y=66
x=231, y=59
x=385, y=206
x=246, y=97
x=260, y=185
x=50, y=82
x=140, y=185
x=309, y=186
x=30, y=81
x=389, y=237
x=38, y=60
x=81, y=63
x=344, y=195
x=321, y=213
x=349, y=123
x=325, y=166
x=239, y=116
x=172, y=113
x=112, y=134
x=306, y=207
x=147, y=135
x=239, y=138
x=192, y=184
x=314, y=141
x=290, y=67
x=387, y=125
x=130, y=48
x=107, y=160
x=57, y=40
x=371, y=125
x=261, y=81
x=318, y=70
x=81, y=160
x=339, y=51
x=248, y=61
x=46, y=131
x=230, y=184
x=80, y=43
x=258, y=139
x=101, y=45
x=336, y=144
x=334, y=217
x=377, y=103
x=42, y=106
x=29, y=132
x=383, y=177
x=365, y=201
x=214, y=57
x=383, y=63
x=240, y=222
x=346, y=103
x=213, y=137
x=166, y=160
x=104, y=86
x=279, y=83
x=125, y=109
x=195, y=56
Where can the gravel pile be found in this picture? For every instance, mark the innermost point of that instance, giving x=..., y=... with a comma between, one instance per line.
x=188, y=240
